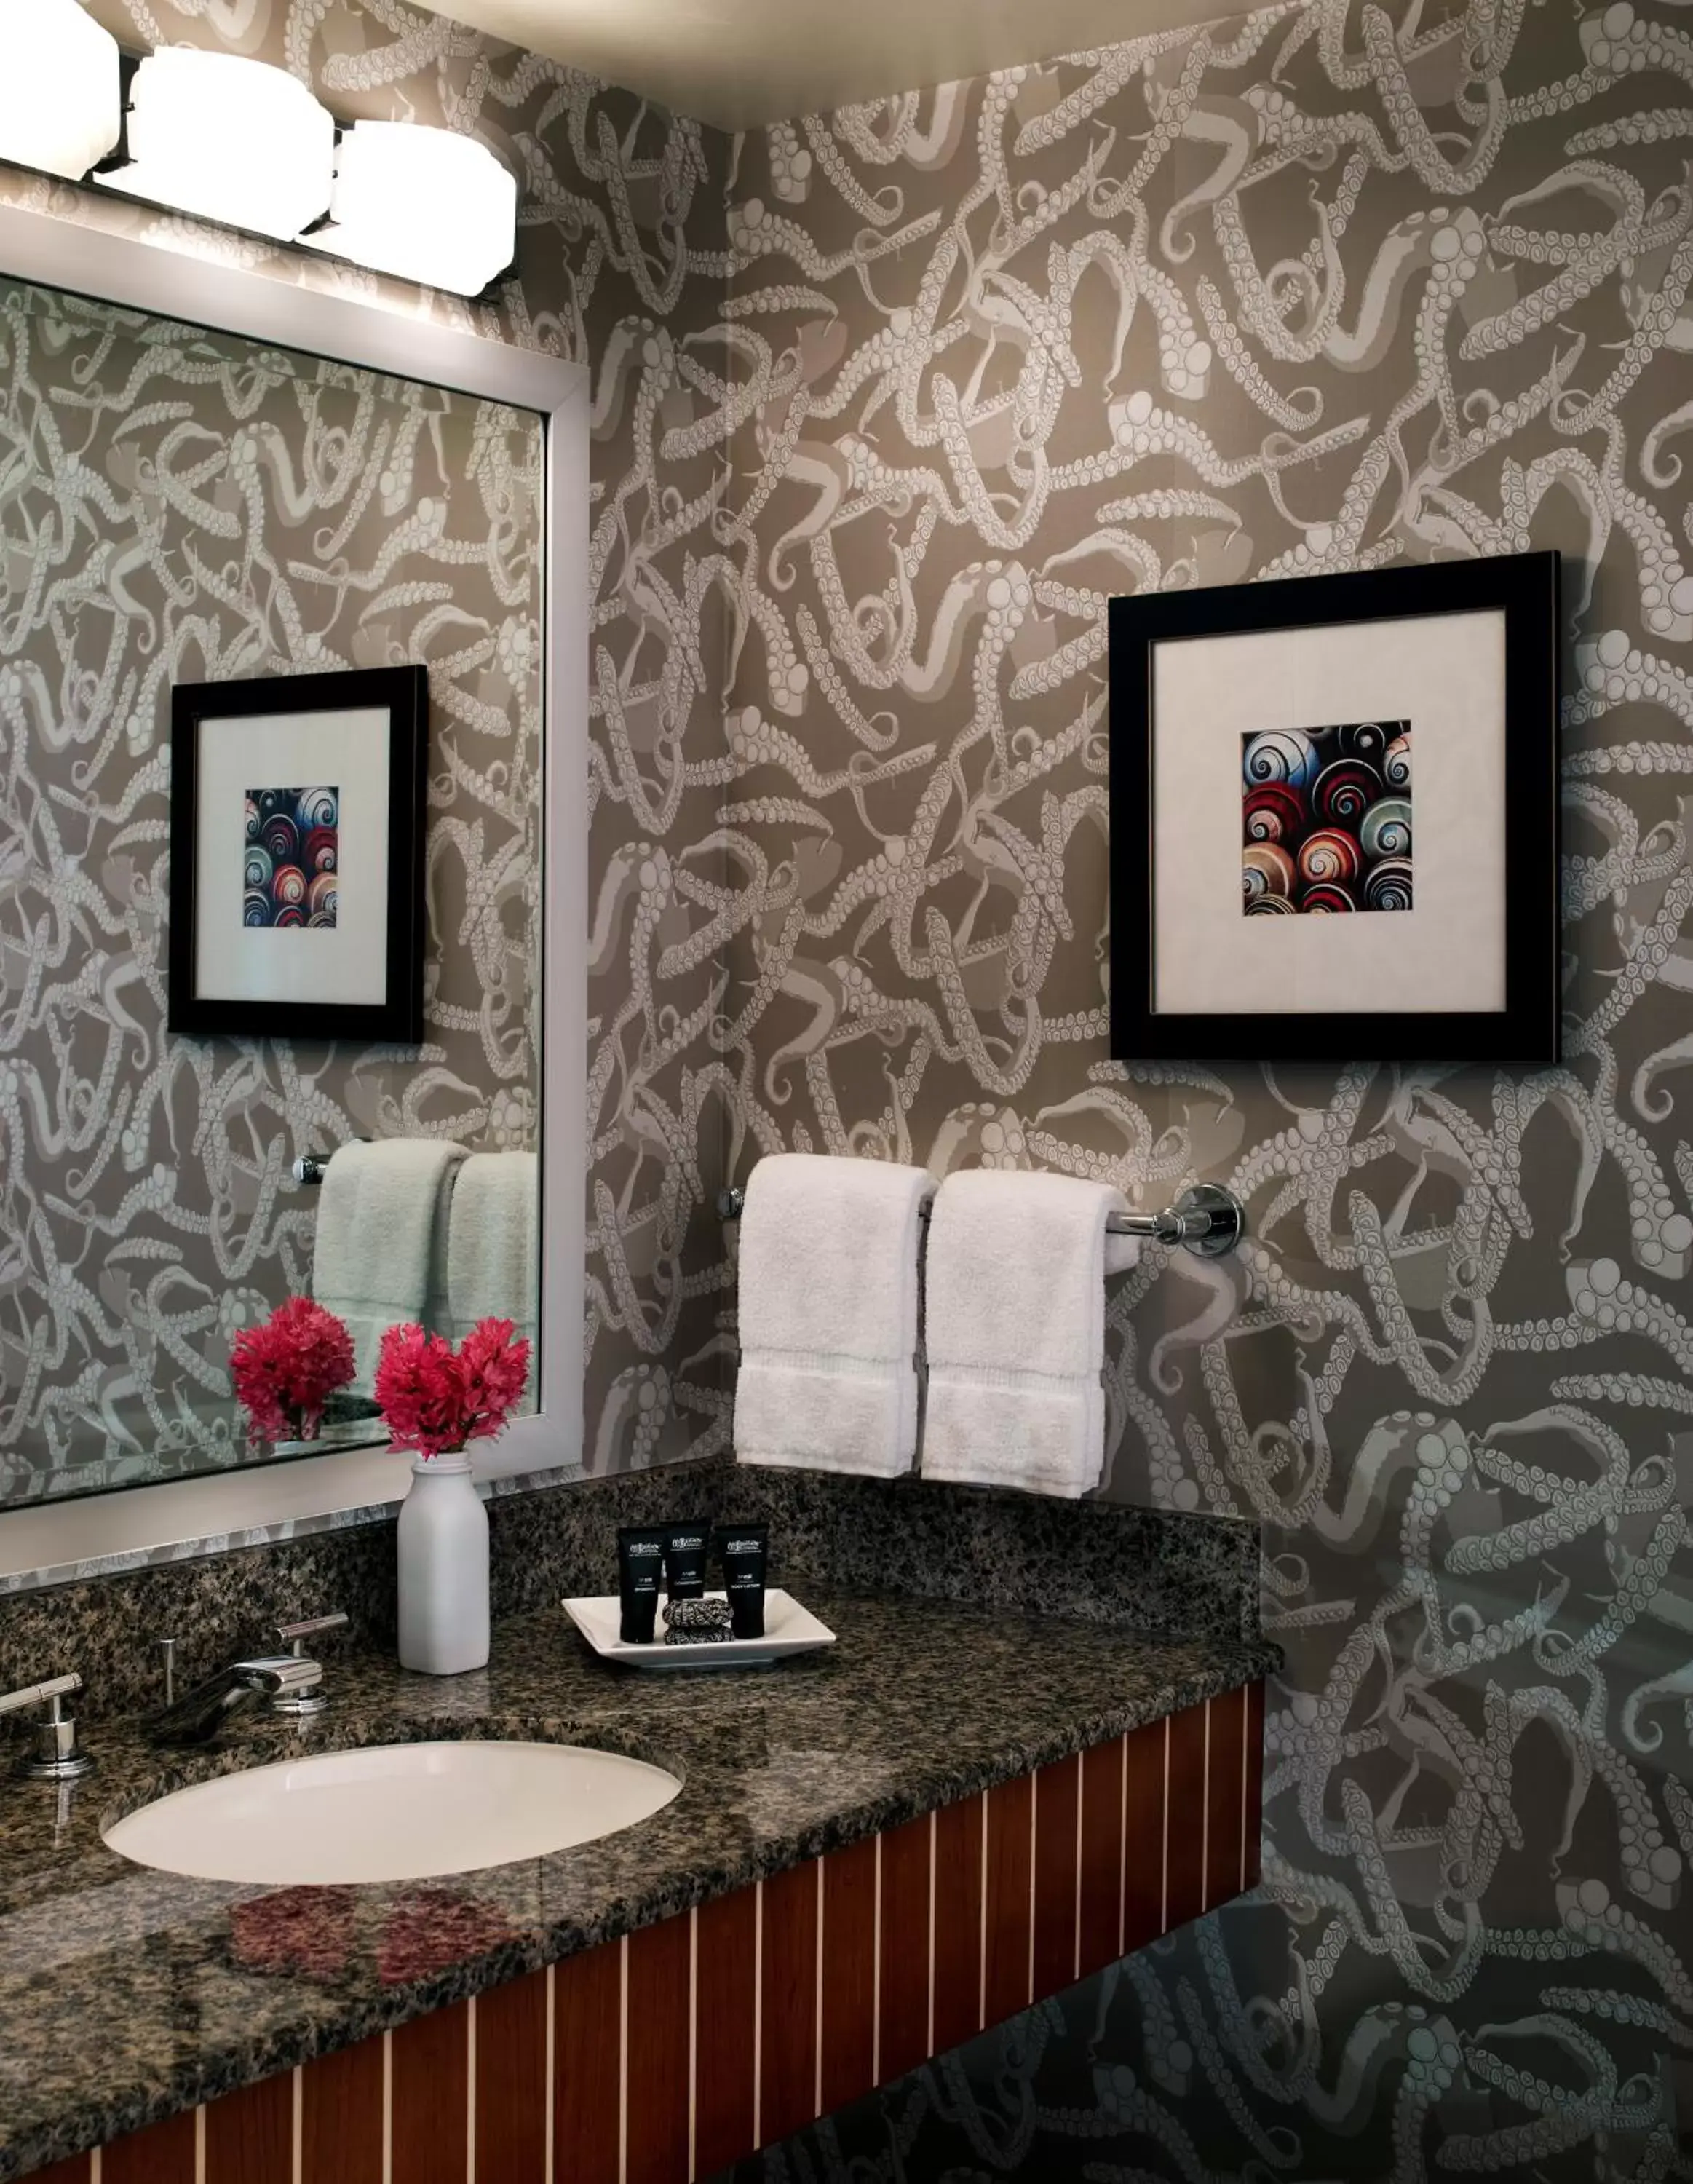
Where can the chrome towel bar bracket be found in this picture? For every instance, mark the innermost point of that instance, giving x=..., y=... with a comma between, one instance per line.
x=1208, y=1220
x=310, y=1168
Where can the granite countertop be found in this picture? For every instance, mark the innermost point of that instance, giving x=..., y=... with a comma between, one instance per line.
x=127, y=1995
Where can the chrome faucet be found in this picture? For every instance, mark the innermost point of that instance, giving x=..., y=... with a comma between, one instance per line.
x=300, y=1702
x=292, y=1682
x=58, y=1758
x=197, y=1717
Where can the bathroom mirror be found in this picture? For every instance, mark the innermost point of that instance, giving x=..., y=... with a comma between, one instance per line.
x=194, y=503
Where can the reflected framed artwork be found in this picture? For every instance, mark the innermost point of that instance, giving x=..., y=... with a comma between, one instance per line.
x=1334, y=817
x=297, y=855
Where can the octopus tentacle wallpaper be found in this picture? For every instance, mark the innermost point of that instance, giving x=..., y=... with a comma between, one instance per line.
x=887, y=403
x=179, y=506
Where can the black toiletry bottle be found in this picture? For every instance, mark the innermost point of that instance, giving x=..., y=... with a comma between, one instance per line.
x=744, y=1552
x=640, y=1561
x=685, y=1545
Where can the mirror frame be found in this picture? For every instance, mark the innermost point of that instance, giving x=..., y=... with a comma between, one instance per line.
x=214, y=1511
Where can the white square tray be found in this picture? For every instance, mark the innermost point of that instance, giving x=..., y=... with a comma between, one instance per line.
x=789, y=1629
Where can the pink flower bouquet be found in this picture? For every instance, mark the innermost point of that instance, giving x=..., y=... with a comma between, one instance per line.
x=286, y=1371
x=437, y=1400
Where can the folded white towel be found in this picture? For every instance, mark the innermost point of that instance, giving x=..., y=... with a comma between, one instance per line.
x=493, y=1243
x=1015, y=1331
x=829, y=1255
x=378, y=1216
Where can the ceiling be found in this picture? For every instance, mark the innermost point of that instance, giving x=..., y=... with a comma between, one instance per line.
x=743, y=63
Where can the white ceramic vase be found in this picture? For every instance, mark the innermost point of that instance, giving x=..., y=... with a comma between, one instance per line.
x=443, y=1570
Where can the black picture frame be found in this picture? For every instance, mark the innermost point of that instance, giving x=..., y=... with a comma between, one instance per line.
x=1525, y=1030
x=195, y=709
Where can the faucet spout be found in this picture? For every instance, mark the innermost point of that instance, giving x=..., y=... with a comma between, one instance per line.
x=197, y=1716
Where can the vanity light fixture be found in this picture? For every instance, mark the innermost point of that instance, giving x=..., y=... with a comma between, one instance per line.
x=61, y=107
x=227, y=139
x=423, y=204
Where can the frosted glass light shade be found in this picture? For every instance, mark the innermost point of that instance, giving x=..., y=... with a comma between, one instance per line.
x=424, y=204
x=61, y=108
x=228, y=139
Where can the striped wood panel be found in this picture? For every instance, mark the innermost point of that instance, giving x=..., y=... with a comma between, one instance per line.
x=956, y=1944
x=588, y=2052
x=1225, y=1792
x=726, y=2023
x=251, y=2134
x=790, y=1991
x=1057, y=1876
x=1099, y=1884
x=1009, y=1868
x=851, y=1939
x=658, y=2045
x=1145, y=1777
x=430, y=2124
x=343, y=2115
x=906, y=1951
x=1252, y=1804
x=1187, y=1756
x=170, y=2152
x=510, y=2124
x=667, y=2056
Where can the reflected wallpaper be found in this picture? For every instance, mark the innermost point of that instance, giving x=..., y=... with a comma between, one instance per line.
x=181, y=507
x=887, y=403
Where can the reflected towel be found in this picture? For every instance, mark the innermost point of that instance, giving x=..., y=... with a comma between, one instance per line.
x=493, y=1244
x=378, y=1218
x=1015, y=1331
x=829, y=1255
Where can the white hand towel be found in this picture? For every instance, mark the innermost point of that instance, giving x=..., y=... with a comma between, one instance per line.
x=828, y=1314
x=1015, y=1331
x=493, y=1243
x=378, y=1218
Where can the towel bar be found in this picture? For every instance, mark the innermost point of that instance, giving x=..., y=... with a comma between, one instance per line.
x=309, y=1169
x=1207, y=1220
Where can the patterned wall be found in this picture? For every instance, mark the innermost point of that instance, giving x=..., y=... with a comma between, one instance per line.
x=177, y=508
x=1322, y=289
x=621, y=264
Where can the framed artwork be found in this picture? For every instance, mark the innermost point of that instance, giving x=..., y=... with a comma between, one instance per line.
x=1334, y=817
x=297, y=855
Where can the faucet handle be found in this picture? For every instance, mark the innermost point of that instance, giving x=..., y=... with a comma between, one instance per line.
x=298, y=1702
x=58, y=1758
x=47, y=1694
x=295, y=1635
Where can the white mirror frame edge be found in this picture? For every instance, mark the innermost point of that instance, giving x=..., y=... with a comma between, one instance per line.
x=212, y=1513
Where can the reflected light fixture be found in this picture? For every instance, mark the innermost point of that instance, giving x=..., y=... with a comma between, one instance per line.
x=227, y=139
x=424, y=204
x=61, y=107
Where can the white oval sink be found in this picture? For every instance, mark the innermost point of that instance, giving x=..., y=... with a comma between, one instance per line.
x=392, y=1812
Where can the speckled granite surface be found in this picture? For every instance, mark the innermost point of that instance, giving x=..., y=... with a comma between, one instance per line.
x=1154, y=1570
x=557, y=1538
x=127, y=1995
